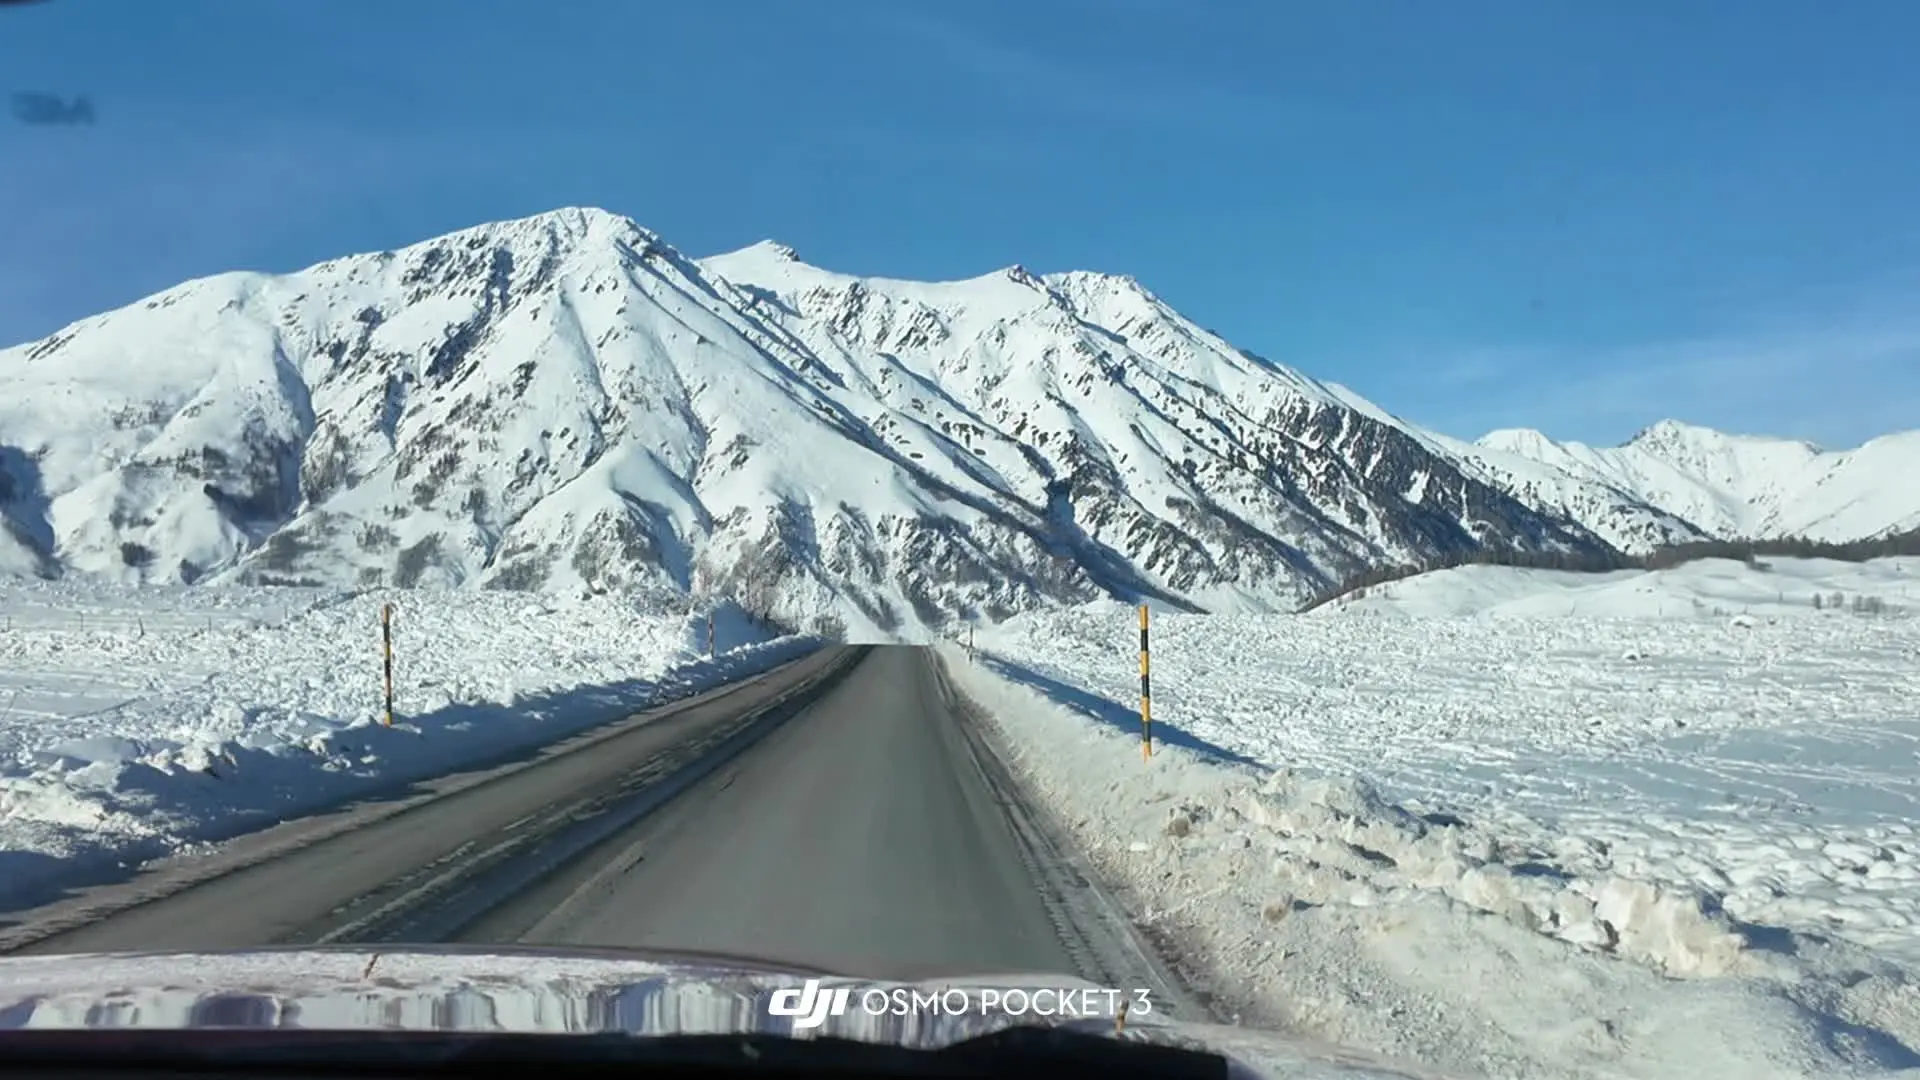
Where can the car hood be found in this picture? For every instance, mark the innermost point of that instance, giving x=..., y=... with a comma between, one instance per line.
x=653, y=993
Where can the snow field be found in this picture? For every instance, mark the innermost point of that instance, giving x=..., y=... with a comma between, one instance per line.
x=1568, y=847
x=1708, y=588
x=140, y=723
x=1774, y=766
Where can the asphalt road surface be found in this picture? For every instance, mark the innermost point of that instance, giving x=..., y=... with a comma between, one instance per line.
x=829, y=814
x=861, y=839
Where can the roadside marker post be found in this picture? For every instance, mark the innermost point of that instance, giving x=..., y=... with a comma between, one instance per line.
x=1146, y=692
x=386, y=642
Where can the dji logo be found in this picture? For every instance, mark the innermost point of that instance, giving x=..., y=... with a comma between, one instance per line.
x=52, y=109
x=811, y=1005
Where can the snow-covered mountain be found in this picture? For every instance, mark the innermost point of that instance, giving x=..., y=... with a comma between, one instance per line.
x=1677, y=482
x=567, y=401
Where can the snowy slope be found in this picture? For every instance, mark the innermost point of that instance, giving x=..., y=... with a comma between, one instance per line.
x=1675, y=482
x=565, y=401
x=1773, y=588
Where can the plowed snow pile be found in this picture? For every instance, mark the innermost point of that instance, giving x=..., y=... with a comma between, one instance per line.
x=1513, y=847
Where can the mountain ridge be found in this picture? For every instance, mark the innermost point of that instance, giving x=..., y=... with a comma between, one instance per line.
x=568, y=401
x=1720, y=485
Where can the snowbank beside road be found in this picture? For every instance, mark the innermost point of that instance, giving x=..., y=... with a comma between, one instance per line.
x=1772, y=765
x=1539, y=848
x=138, y=723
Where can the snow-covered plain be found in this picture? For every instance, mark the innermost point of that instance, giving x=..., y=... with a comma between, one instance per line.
x=1706, y=588
x=1506, y=823
x=141, y=723
x=1554, y=846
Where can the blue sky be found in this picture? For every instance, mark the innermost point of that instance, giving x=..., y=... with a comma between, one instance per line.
x=1576, y=216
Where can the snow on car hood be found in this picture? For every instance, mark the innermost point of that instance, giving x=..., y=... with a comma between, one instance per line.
x=591, y=991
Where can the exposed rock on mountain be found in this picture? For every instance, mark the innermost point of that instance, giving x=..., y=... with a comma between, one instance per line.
x=566, y=401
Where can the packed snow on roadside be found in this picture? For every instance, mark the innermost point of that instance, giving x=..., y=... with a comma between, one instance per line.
x=1512, y=847
x=139, y=723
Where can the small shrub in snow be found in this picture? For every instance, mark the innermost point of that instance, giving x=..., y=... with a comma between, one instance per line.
x=1869, y=605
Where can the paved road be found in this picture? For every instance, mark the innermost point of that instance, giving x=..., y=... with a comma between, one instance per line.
x=861, y=839
x=856, y=836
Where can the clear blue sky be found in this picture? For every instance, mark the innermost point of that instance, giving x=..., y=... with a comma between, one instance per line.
x=1573, y=215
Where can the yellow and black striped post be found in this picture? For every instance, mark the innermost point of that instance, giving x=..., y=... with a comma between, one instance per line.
x=1146, y=692
x=386, y=643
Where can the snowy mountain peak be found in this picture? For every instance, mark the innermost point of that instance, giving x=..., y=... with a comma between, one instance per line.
x=1516, y=440
x=1668, y=432
x=1021, y=275
x=573, y=226
x=772, y=251
x=1676, y=482
x=1678, y=435
x=564, y=400
x=1093, y=282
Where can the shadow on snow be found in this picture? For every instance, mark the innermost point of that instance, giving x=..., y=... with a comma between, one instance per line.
x=1124, y=718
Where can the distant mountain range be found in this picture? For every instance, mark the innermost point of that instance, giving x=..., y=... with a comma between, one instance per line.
x=1675, y=483
x=566, y=401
